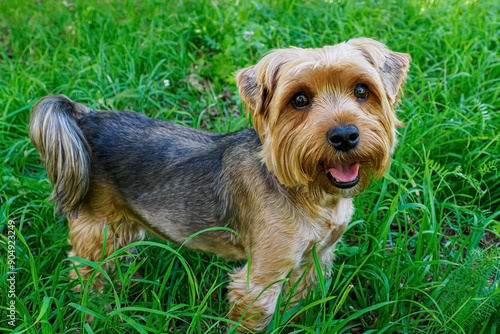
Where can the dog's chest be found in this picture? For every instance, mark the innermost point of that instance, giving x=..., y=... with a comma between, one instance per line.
x=326, y=228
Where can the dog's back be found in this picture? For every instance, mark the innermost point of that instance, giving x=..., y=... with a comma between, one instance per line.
x=156, y=165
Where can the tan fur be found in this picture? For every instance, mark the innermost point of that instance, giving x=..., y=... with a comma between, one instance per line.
x=293, y=144
x=101, y=215
x=275, y=193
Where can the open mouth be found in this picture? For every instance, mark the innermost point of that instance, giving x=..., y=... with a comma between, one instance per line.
x=343, y=175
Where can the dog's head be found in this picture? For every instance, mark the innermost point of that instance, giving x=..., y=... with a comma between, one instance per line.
x=326, y=116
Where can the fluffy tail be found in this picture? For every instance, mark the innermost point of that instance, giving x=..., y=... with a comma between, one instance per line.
x=61, y=144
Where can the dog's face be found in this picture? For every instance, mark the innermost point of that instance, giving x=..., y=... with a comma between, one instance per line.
x=326, y=116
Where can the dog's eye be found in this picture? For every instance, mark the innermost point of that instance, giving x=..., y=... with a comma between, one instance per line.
x=300, y=101
x=361, y=92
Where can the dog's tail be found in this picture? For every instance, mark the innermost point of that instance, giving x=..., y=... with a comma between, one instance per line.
x=55, y=134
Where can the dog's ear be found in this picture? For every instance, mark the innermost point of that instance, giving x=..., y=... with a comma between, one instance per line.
x=256, y=85
x=246, y=80
x=392, y=66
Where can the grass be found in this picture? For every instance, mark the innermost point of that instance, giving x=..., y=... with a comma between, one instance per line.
x=423, y=232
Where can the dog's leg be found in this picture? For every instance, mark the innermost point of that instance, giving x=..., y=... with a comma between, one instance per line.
x=96, y=239
x=305, y=278
x=255, y=288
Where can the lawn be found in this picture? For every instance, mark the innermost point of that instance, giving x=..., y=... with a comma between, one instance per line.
x=421, y=254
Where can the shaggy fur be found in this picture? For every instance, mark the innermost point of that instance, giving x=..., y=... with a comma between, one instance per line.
x=324, y=123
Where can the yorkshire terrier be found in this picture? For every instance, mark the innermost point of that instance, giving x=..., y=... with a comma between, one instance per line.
x=323, y=126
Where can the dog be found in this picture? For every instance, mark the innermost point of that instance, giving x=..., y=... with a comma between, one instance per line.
x=324, y=126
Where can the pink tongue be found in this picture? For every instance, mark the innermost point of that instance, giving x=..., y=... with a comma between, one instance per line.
x=344, y=172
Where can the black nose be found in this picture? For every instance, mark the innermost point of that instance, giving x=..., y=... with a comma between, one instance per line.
x=343, y=138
